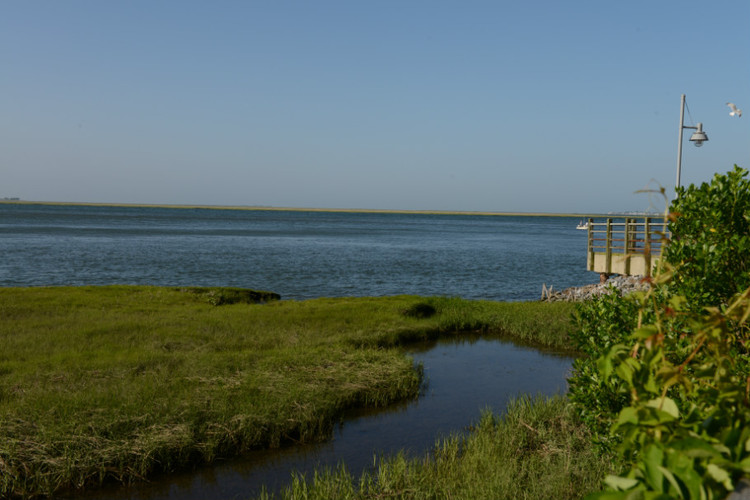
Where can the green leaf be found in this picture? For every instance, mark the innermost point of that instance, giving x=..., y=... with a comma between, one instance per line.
x=651, y=459
x=628, y=415
x=672, y=481
x=608, y=495
x=604, y=365
x=645, y=332
x=651, y=385
x=620, y=483
x=666, y=405
x=682, y=468
x=696, y=448
x=720, y=476
x=625, y=372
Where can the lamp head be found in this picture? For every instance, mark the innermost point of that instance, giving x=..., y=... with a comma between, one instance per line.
x=699, y=136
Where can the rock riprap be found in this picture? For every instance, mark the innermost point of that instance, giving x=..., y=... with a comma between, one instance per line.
x=625, y=284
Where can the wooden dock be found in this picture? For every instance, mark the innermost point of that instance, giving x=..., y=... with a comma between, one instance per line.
x=625, y=245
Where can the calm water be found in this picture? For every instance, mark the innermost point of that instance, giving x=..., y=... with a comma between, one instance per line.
x=299, y=255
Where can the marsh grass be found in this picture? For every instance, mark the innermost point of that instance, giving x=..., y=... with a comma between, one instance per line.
x=537, y=450
x=117, y=383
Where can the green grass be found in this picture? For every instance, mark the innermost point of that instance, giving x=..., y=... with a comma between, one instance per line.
x=118, y=383
x=537, y=450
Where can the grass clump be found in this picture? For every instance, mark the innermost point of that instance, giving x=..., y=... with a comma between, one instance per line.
x=117, y=383
x=544, y=324
x=537, y=450
x=219, y=296
x=419, y=310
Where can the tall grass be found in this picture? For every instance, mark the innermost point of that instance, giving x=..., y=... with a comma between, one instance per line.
x=537, y=450
x=537, y=323
x=117, y=383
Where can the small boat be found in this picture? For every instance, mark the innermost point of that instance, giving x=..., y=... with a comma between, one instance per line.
x=582, y=225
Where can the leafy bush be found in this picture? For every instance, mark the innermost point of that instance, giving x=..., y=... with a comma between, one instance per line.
x=710, y=245
x=686, y=430
x=666, y=377
x=609, y=321
x=708, y=259
x=599, y=324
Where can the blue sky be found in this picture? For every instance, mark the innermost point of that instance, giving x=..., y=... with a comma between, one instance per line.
x=435, y=105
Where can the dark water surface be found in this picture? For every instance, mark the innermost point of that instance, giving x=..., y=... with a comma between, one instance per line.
x=299, y=255
x=464, y=377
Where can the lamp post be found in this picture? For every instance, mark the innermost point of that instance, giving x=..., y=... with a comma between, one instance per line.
x=698, y=138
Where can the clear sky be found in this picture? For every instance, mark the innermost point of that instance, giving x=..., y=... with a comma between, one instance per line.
x=554, y=106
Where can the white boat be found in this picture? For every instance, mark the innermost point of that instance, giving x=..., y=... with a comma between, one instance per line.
x=582, y=225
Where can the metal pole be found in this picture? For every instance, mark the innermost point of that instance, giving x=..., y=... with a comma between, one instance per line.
x=679, y=142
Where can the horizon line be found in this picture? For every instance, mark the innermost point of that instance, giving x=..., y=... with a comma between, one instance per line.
x=321, y=209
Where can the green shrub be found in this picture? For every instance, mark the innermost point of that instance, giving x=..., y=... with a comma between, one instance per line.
x=710, y=245
x=686, y=429
x=667, y=372
x=599, y=323
x=708, y=258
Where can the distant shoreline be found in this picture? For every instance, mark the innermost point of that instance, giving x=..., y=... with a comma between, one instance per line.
x=302, y=209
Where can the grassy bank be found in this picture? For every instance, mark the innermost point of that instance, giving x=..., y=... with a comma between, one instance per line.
x=116, y=383
x=537, y=450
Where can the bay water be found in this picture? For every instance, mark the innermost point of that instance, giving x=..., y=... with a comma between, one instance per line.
x=297, y=254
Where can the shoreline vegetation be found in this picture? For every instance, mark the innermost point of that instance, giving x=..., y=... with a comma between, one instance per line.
x=102, y=384
x=307, y=209
x=537, y=449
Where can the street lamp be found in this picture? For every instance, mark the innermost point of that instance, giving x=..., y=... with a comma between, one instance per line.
x=698, y=138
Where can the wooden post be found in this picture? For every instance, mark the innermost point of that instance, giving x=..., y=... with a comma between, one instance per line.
x=609, y=246
x=591, y=244
x=628, y=242
x=647, y=245
x=626, y=237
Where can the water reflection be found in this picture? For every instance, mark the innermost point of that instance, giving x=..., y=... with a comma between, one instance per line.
x=464, y=376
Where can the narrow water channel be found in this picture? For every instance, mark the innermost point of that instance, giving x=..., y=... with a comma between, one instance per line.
x=463, y=377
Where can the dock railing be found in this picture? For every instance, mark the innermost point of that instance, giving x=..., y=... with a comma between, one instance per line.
x=625, y=245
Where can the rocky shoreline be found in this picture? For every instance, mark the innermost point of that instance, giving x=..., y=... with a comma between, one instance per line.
x=625, y=284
